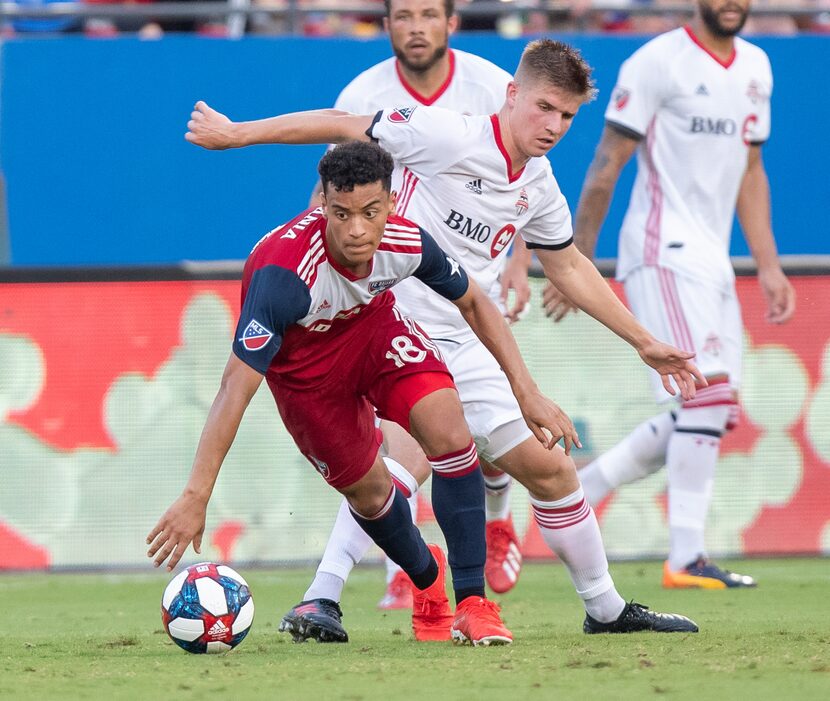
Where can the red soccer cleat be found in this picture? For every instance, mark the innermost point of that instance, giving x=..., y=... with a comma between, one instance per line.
x=398, y=593
x=431, y=612
x=477, y=621
x=504, y=559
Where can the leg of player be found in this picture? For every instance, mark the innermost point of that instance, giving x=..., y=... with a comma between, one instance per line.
x=692, y=457
x=437, y=422
x=641, y=453
x=380, y=508
x=318, y=615
x=398, y=444
x=570, y=529
x=504, y=556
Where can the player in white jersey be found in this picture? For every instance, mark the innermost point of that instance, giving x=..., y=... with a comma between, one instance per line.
x=426, y=71
x=695, y=105
x=481, y=180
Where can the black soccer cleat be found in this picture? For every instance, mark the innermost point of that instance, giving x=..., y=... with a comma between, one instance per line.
x=317, y=619
x=636, y=617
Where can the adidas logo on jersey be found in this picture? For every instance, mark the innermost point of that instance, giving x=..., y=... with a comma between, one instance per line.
x=217, y=630
x=324, y=305
x=701, y=90
x=474, y=186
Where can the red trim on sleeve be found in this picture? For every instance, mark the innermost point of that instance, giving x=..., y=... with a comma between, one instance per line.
x=511, y=177
x=728, y=62
x=423, y=99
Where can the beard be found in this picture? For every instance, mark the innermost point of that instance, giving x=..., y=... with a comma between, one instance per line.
x=712, y=20
x=425, y=64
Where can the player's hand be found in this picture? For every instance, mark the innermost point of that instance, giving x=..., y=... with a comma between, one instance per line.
x=674, y=364
x=210, y=129
x=182, y=523
x=556, y=304
x=514, y=278
x=779, y=293
x=548, y=422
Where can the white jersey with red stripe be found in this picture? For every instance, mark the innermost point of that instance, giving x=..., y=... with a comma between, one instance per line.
x=697, y=116
x=300, y=307
x=457, y=185
x=473, y=86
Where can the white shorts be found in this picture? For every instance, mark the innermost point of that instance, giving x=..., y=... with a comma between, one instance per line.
x=691, y=315
x=491, y=410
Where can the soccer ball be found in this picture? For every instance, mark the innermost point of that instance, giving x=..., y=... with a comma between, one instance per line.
x=207, y=608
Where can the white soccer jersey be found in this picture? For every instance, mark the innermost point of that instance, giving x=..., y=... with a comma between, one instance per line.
x=458, y=187
x=698, y=116
x=474, y=86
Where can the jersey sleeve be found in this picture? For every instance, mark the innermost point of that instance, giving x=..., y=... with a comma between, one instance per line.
x=276, y=298
x=758, y=126
x=424, y=139
x=638, y=94
x=439, y=271
x=348, y=100
x=550, y=227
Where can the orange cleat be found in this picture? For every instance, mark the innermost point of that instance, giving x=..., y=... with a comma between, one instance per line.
x=477, y=621
x=504, y=559
x=431, y=612
x=704, y=574
x=398, y=593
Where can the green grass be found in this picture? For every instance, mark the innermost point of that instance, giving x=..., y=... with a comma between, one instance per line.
x=100, y=636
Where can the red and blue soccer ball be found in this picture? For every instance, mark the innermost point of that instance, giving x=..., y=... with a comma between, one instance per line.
x=207, y=608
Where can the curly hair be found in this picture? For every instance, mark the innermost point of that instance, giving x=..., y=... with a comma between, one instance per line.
x=356, y=163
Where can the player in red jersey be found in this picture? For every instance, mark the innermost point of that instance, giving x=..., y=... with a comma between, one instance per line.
x=425, y=70
x=453, y=160
x=318, y=321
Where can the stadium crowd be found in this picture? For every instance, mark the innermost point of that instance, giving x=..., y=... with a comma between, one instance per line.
x=510, y=18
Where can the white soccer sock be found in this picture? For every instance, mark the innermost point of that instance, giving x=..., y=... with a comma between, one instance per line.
x=570, y=529
x=497, y=496
x=348, y=543
x=692, y=457
x=641, y=453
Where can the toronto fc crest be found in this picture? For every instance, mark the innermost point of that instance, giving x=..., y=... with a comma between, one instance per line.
x=521, y=203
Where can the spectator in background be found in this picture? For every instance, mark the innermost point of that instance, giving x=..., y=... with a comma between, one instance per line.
x=148, y=27
x=44, y=26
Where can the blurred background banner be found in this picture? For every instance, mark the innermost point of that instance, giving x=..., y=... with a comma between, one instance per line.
x=98, y=172
x=105, y=387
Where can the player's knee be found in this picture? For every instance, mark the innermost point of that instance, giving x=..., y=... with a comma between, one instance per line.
x=547, y=475
x=369, y=494
x=710, y=419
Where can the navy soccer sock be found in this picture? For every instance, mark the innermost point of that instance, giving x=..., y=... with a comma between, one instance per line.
x=393, y=531
x=458, y=503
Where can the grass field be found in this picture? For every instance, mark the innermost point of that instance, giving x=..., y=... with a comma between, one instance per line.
x=100, y=636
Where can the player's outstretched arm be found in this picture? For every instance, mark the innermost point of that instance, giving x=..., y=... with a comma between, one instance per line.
x=184, y=521
x=213, y=130
x=547, y=421
x=754, y=214
x=614, y=150
x=581, y=282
